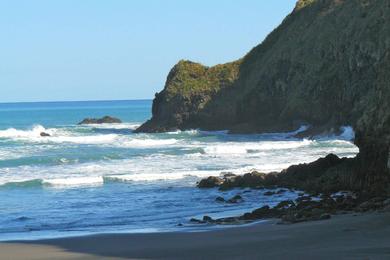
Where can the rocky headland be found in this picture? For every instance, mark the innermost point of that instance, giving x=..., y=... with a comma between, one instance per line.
x=327, y=65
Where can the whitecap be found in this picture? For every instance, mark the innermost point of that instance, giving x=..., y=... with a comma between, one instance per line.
x=145, y=143
x=161, y=176
x=57, y=135
x=31, y=133
x=131, y=126
x=74, y=181
x=252, y=147
x=86, y=139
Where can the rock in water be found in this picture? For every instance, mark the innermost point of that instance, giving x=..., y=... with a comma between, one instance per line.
x=103, y=120
x=235, y=199
x=210, y=182
x=43, y=134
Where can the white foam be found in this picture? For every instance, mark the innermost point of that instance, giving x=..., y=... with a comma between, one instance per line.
x=162, y=176
x=196, y=156
x=87, y=139
x=189, y=132
x=14, y=133
x=77, y=181
x=145, y=143
x=57, y=135
x=9, y=155
x=64, y=135
x=288, y=134
x=131, y=126
x=245, y=147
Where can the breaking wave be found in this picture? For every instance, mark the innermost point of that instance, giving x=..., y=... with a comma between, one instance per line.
x=252, y=147
x=175, y=156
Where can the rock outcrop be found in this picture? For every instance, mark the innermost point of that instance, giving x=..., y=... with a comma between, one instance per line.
x=307, y=209
x=325, y=175
x=103, y=120
x=327, y=64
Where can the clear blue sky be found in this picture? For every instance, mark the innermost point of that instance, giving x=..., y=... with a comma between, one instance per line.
x=120, y=49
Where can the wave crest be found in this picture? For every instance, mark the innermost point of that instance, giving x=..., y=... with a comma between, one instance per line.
x=252, y=147
x=32, y=133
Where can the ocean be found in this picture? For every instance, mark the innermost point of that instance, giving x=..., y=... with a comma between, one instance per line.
x=105, y=178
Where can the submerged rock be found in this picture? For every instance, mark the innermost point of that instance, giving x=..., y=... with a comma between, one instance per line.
x=198, y=221
x=235, y=199
x=103, y=120
x=44, y=134
x=207, y=219
x=219, y=199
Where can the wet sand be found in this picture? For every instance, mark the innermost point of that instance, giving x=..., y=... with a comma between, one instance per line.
x=362, y=236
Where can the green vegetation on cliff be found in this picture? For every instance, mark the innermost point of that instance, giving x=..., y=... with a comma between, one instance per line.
x=303, y=3
x=189, y=89
x=188, y=78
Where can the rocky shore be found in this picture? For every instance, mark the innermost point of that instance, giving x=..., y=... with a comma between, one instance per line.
x=325, y=175
x=323, y=181
x=306, y=208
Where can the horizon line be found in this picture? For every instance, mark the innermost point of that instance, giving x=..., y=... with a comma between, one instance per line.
x=65, y=101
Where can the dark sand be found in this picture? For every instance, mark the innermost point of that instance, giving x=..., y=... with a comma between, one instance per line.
x=364, y=236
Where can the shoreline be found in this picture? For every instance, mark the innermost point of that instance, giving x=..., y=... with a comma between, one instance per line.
x=190, y=228
x=351, y=236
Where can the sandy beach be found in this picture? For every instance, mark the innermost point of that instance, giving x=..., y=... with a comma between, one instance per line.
x=358, y=236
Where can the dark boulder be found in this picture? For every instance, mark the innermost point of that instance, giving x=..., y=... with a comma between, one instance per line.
x=265, y=212
x=207, y=219
x=44, y=134
x=235, y=199
x=198, y=221
x=285, y=204
x=252, y=180
x=210, y=182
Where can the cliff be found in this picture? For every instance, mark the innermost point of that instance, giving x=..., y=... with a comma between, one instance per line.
x=189, y=89
x=327, y=65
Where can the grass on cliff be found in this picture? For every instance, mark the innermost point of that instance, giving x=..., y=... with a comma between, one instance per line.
x=188, y=78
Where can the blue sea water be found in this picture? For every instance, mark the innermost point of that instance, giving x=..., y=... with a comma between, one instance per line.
x=105, y=178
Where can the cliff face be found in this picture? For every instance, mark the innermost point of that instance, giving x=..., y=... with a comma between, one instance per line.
x=189, y=89
x=327, y=64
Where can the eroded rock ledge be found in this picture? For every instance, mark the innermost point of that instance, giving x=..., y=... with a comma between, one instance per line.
x=326, y=175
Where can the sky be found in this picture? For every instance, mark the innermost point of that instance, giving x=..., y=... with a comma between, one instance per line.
x=67, y=50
